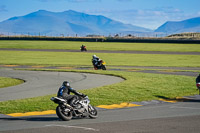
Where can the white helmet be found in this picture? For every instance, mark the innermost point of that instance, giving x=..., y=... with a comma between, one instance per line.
x=94, y=56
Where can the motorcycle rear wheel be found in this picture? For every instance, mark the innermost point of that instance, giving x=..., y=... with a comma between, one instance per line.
x=65, y=116
x=92, y=112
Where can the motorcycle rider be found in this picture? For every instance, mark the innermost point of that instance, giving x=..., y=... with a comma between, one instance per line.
x=95, y=60
x=83, y=47
x=64, y=92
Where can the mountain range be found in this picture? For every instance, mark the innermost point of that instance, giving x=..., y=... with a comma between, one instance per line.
x=189, y=25
x=66, y=23
x=72, y=23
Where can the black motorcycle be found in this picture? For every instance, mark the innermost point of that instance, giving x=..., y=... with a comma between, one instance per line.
x=83, y=48
x=83, y=109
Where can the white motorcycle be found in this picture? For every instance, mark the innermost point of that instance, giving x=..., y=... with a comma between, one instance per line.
x=83, y=109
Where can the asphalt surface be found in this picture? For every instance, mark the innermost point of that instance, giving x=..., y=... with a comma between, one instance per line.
x=178, y=117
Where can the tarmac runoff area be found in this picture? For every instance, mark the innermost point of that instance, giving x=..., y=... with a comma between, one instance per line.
x=6, y=71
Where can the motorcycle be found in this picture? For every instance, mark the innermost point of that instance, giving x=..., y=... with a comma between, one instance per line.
x=66, y=112
x=99, y=65
x=83, y=48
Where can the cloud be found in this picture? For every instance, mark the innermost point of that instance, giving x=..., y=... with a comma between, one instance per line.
x=3, y=8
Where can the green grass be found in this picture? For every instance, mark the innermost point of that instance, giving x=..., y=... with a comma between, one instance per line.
x=80, y=59
x=100, y=46
x=136, y=87
x=6, y=82
x=142, y=87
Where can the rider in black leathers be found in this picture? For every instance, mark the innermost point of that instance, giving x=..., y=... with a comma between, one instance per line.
x=95, y=60
x=64, y=92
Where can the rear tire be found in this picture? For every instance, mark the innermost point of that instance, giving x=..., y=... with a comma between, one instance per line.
x=65, y=116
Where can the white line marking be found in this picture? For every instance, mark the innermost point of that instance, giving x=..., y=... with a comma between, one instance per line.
x=84, y=128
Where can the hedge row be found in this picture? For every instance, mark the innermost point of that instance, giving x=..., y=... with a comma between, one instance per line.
x=103, y=39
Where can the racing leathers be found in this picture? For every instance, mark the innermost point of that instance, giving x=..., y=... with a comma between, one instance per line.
x=64, y=92
x=96, y=61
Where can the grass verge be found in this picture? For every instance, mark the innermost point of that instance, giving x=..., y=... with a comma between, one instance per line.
x=6, y=82
x=80, y=59
x=136, y=87
x=75, y=45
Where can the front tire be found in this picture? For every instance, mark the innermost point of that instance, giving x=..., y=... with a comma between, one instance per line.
x=92, y=112
x=103, y=67
x=65, y=116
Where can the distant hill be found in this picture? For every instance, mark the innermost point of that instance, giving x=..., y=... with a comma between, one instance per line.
x=189, y=25
x=67, y=23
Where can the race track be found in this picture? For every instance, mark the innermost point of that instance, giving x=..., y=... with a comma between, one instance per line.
x=40, y=83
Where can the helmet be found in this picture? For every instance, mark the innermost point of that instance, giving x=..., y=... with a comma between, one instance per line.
x=66, y=83
x=94, y=56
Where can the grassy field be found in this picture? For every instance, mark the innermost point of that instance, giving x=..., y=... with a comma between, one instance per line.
x=100, y=46
x=136, y=87
x=80, y=59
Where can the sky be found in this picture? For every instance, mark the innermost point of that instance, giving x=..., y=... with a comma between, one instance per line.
x=144, y=13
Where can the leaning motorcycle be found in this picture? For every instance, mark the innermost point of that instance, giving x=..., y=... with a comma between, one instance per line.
x=83, y=48
x=100, y=65
x=66, y=112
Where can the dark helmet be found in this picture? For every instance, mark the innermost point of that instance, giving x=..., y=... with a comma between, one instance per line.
x=66, y=83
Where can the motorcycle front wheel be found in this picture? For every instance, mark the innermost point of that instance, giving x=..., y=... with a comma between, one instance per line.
x=103, y=67
x=92, y=111
x=65, y=116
